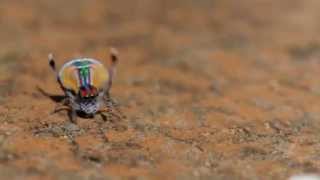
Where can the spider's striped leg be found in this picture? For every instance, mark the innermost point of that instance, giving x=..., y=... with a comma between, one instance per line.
x=107, y=116
x=72, y=116
x=64, y=105
x=107, y=113
x=59, y=108
x=112, y=105
x=110, y=111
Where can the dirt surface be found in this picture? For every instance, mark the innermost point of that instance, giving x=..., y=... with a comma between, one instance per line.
x=211, y=89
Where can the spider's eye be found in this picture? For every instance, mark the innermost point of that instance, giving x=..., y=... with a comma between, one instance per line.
x=88, y=91
x=93, y=91
x=83, y=93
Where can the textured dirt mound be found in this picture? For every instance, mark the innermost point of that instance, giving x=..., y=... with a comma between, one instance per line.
x=210, y=89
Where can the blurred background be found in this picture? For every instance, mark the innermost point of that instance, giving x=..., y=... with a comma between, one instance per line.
x=211, y=89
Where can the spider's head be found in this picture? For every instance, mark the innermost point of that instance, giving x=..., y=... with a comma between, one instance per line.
x=86, y=101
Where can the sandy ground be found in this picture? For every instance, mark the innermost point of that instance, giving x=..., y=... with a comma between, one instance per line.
x=211, y=89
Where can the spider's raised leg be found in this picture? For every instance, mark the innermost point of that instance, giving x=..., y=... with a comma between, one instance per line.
x=52, y=64
x=112, y=69
x=105, y=96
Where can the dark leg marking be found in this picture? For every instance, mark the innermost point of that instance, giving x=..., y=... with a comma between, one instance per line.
x=52, y=63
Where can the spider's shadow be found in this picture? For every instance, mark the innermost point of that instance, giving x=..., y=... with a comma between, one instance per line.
x=53, y=97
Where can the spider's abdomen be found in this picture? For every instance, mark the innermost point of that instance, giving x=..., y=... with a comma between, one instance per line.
x=83, y=73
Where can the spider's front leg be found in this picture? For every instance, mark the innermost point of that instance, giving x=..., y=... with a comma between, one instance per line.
x=70, y=102
x=107, y=114
x=52, y=64
x=109, y=104
x=112, y=105
x=64, y=105
x=110, y=110
x=72, y=115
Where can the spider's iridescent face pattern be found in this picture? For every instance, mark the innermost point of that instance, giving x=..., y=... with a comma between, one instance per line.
x=85, y=79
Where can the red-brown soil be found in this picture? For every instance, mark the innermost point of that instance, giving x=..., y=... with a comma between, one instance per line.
x=211, y=89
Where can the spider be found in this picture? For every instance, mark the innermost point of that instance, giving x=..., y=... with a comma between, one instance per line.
x=86, y=84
